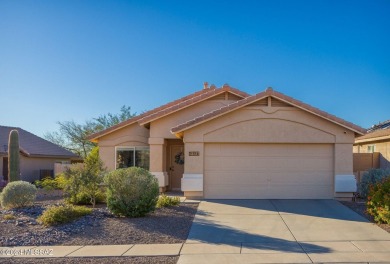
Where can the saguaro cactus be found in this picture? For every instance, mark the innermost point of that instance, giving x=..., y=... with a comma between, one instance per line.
x=13, y=156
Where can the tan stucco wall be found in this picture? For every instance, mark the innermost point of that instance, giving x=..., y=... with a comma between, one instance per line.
x=382, y=147
x=132, y=135
x=158, y=149
x=264, y=125
x=30, y=167
x=161, y=128
x=160, y=134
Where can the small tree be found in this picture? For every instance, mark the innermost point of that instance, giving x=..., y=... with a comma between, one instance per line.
x=93, y=176
x=83, y=180
x=13, y=156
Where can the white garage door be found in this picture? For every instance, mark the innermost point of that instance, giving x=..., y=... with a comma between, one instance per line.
x=268, y=171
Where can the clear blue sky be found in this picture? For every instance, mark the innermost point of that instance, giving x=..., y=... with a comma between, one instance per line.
x=75, y=60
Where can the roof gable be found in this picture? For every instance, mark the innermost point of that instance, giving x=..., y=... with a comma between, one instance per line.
x=205, y=94
x=174, y=106
x=267, y=98
x=32, y=145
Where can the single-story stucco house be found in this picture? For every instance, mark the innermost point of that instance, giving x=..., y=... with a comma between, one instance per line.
x=37, y=155
x=377, y=140
x=225, y=143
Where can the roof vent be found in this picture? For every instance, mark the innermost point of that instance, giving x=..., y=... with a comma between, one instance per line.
x=213, y=86
x=205, y=85
x=269, y=89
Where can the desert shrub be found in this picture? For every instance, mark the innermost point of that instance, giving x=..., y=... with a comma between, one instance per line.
x=164, y=201
x=9, y=217
x=18, y=194
x=131, y=192
x=378, y=201
x=83, y=181
x=82, y=197
x=371, y=177
x=57, y=183
x=61, y=214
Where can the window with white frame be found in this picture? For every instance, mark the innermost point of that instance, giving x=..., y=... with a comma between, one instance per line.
x=132, y=157
x=370, y=148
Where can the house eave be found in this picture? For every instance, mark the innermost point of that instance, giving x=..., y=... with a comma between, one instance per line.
x=374, y=139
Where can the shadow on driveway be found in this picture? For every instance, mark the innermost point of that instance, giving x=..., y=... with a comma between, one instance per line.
x=207, y=231
x=319, y=208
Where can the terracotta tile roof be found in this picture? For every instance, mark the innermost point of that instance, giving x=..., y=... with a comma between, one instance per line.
x=32, y=145
x=269, y=92
x=94, y=137
x=171, y=107
x=374, y=136
x=189, y=100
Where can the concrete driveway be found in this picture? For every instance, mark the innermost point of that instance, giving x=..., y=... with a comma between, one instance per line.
x=282, y=231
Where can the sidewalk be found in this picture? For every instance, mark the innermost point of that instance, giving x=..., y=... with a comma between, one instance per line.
x=92, y=251
x=373, y=251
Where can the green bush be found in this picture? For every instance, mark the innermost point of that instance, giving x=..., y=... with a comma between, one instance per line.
x=57, y=183
x=371, y=177
x=131, y=192
x=83, y=181
x=378, y=201
x=164, y=201
x=18, y=194
x=61, y=214
x=83, y=198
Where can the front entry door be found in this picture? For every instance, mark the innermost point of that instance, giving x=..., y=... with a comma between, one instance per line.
x=176, y=167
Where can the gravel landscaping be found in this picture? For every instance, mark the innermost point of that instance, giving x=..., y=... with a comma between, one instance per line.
x=165, y=225
x=360, y=208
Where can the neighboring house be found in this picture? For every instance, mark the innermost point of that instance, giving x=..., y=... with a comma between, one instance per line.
x=37, y=155
x=224, y=143
x=378, y=140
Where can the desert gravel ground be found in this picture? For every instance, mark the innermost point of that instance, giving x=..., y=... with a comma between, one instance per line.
x=360, y=208
x=164, y=225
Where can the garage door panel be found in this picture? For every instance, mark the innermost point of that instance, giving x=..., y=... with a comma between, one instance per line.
x=314, y=178
x=268, y=171
x=244, y=191
x=267, y=150
x=267, y=163
x=231, y=178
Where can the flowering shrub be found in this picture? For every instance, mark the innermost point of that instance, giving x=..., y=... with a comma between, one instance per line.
x=378, y=201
